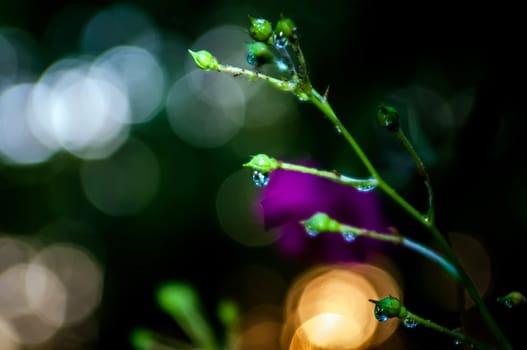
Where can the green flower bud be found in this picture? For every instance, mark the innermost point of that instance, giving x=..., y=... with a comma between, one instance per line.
x=142, y=339
x=388, y=117
x=513, y=299
x=260, y=29
x=204, y=59
x=177, y=298
x=389, y=307
x=321, y=222
x=287, y=27
x=258, y=54
x=262, y=163
x=228, y=313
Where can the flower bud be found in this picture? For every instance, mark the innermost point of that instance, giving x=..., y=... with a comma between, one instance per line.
x=513, y=299
x=262, y=163
x=204, y=59
x=389, y=307
x=321, y=222
x=260, y=29
x=177, y=298
x=287, y=27
x=388, y=118
x=258, y=54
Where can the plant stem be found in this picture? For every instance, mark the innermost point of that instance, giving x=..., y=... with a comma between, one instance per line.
x=422, y=171
x=331, y=175
x=322, y=104
x=283, y=85
x=452, y=333
x=406, y=242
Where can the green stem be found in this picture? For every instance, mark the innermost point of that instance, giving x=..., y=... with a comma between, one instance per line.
x=399, y=240
x=322, y=103
x=422, y=171
x=252, y=75
x=452, y=333
x=360, y=184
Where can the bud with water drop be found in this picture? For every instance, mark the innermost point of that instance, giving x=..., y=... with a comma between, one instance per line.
x=389, y=307
x=286, y=27
x=512, y=299
x=204, y=59
x=260, y=29
x=262, y=163
x=258, y=53
x=388, y=118
x=321, y=222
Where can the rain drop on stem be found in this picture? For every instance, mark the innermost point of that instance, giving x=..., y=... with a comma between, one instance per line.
x=410, y=322
x=366, y=186
x=311, y=231
x=349, y=236
x=260, y=179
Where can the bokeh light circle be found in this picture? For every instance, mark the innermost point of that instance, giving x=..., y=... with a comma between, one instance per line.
x=142, y=76
x=120, y=24
x=80, y=275
x=124, y=183
x=235, y=208
x=81, y=108
x=208, y=119
x=17, y=142
x=328, y=308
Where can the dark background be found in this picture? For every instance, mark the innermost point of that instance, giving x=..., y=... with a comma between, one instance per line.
x=367, y=51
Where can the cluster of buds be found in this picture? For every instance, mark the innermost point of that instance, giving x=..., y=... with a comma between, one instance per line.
x=278, y=46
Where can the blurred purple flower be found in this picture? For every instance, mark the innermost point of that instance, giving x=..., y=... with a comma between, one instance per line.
x=291, y=197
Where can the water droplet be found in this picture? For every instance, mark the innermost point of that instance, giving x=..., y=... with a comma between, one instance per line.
x=410, y=322
x=280, y=41
x=251, y=59
x=260, y=179
x=508, y=303
x=349, y=236
x=366, y=186
x=281, y=65
x=302, y=96
x=337, y=129
x=311, y=231
x=379, y=314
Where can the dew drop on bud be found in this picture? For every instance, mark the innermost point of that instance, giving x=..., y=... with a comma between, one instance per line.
x=338, y=130
x=311, y=231
x=280, y=41
x=410, y=322
x=379, y=314
x=260, y=179
x=349, y=236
